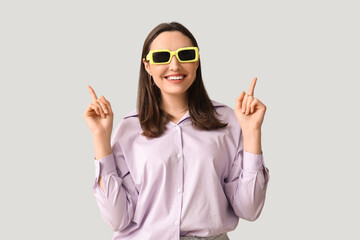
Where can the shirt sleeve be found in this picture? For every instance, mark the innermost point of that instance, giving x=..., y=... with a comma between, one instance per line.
x=246, y=185
x=117, y=202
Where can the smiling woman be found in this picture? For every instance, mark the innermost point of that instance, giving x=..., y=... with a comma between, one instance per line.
x=180, y=165
x=167, y=91
x=175, y=78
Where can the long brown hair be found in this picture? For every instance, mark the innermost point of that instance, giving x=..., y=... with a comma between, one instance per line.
x=152, y=119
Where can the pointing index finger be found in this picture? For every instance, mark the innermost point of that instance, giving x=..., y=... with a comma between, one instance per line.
x=93, y=94
x=252, y=87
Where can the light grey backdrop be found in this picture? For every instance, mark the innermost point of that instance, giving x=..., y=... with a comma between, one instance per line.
x=304, y=53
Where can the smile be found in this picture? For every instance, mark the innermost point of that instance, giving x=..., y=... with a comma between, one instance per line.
x=176, y=77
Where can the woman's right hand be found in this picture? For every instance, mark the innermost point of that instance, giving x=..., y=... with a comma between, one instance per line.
x=99, y=115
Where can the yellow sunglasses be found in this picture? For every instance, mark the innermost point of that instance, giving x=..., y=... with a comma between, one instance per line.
x=164, y=56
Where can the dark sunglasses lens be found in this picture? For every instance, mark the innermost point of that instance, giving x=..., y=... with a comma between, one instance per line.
x=160, y=57
x=187, y=55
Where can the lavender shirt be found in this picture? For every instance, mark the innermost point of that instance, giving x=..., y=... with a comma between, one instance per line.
x=187, y=182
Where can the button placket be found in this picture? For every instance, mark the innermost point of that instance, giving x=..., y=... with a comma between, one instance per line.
x=178, y=188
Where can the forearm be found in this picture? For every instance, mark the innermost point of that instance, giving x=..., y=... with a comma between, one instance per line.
x=251, y=194
x=116, y=205
x=102, y=148
x=252, y=141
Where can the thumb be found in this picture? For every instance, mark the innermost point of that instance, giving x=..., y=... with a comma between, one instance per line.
x=239, y=100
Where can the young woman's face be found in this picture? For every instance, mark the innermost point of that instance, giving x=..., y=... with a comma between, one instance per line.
x=164, y=74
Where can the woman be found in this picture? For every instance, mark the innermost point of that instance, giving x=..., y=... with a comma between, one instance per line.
x=180, y=166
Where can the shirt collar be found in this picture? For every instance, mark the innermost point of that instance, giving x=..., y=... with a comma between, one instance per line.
x=134, y=112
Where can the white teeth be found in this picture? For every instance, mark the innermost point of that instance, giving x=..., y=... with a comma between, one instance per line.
x=175, y=77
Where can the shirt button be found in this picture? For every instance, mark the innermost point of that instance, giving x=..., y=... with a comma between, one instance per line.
x=176, y=223
x=177, y=127
x=178, y=190
x=179, y=155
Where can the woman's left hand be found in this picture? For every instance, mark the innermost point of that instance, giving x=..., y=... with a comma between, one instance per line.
x=249, y=110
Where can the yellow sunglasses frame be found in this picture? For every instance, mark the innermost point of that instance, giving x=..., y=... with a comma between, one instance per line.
x=149, y=56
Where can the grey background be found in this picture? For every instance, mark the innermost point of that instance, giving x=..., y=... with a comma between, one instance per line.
x=304, y=53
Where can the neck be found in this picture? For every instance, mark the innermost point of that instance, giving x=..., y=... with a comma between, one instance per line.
x=174, y=104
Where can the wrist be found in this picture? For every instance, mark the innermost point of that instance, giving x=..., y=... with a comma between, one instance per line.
x=102, y=144
x=252, y=141
x=252, y=132
x=101, y=136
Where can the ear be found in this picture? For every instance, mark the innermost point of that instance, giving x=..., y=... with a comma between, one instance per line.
x=147, y=66
x=197, y=64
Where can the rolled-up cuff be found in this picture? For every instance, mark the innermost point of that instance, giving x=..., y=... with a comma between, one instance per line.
x=253, y=162
x=104, y=165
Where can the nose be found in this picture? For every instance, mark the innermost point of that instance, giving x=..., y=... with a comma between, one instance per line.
x=174, y=63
